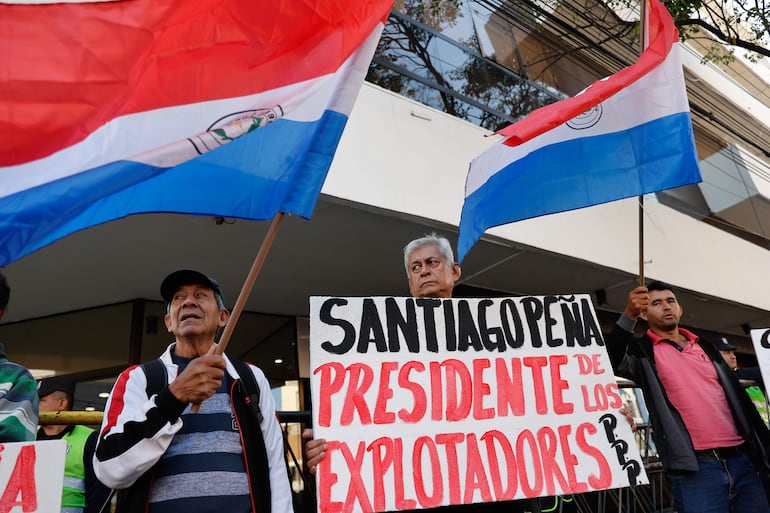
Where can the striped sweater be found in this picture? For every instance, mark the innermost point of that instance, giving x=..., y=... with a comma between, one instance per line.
x=139, y=431
x=205, y=456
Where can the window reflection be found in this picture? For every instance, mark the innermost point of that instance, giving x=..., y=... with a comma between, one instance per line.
x=450, y=73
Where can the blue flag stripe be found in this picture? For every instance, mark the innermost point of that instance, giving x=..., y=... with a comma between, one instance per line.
x=278, y=168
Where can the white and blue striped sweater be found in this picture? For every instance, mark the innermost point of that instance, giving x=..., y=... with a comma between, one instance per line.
x=140, y=431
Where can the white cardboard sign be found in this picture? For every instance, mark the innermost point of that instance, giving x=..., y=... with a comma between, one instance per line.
x=432, y=402
x=760, y=338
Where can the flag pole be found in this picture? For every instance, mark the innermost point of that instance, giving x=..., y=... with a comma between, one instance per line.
x=256, y=267
x=645, y=33
x=249, y=283
x=641, y=241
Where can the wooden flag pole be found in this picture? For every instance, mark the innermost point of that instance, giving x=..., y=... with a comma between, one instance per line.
x=267, y=242
x=249, y=283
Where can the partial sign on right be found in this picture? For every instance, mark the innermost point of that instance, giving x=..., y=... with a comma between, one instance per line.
x=761, y=340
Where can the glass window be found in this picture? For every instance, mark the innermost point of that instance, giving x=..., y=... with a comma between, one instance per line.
x=451, y=75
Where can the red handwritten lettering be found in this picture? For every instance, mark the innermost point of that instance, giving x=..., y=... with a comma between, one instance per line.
x=475, y=475
x=604, y=397
x=458, y=390
x=21, y=489
x=584, y=363
x=327, y=479
x=615, y=401
x=536, y=363
x=510, y=393
x=357, y=487
x=436, y=393
x=481, y=389
x=384, y=393
x=450, y=441
x=570, y=461
x=589, y=364
x=558, y=385
x=361, y=378
x=546, y=439
x=507, y=493
x=402, y=502
x=494, y=467
x=382, y=459
x=604, y=479
x=420, y=400
x=435, y=499
x=332, y=379
x=533, y=489
x=458, y=405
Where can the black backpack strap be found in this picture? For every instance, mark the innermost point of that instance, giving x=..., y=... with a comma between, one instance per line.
x=250, y=387
x=262, y=470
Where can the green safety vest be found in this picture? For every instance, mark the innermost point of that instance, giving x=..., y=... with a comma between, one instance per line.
x=73, y=497
x=759, y=400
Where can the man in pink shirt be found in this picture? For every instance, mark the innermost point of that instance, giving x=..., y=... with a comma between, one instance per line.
x=713, y=445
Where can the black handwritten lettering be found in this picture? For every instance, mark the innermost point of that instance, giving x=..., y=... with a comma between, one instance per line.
x=465, y=325
x=515, y=338
x=632, y=467
x=429, y=306
x=467, y=333
x=371, y=329
x=325, y=315
x=533, y=311
x=449, y=326
x=550, y=322
x=492, y=338
x=764, y=340
x=398, y=324
x=592, y=331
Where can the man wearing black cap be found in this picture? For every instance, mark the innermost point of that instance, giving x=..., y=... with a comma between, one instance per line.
x=82, y=493
x=174, y=459
x=727, y=351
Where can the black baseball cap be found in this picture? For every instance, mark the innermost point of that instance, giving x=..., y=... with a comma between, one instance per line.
x=174, y=281
x=723, y=345
x=54, y=384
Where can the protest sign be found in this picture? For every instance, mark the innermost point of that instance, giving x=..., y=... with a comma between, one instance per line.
x=429, y=402
x=31, y=476
x=760, y=338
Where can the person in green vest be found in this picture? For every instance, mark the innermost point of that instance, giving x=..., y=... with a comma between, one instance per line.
x=82, y=493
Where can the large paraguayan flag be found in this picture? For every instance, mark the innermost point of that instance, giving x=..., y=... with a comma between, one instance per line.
x=213, y=107
x=626, y=135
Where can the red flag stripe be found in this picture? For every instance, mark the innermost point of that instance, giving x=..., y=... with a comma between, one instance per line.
x=67, y=69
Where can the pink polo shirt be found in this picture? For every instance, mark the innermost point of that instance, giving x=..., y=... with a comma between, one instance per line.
x=693, y=388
